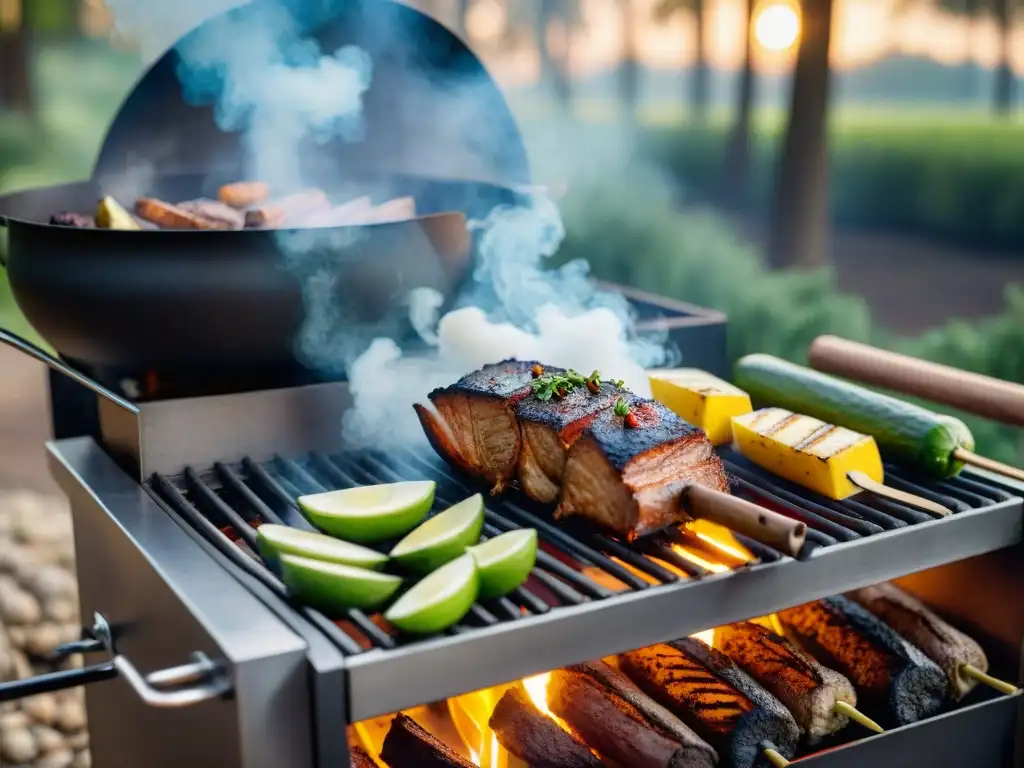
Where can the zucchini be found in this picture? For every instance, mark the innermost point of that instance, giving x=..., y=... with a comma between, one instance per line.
x=905, y=433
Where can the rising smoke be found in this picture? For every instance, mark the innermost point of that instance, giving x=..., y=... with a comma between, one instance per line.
x=276, y=88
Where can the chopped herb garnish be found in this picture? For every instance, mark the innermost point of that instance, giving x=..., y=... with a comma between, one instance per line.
x=621, y=407
x=619, y=383
x=548, y=385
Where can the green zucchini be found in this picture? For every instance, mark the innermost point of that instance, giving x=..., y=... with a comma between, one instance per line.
x=905, y=433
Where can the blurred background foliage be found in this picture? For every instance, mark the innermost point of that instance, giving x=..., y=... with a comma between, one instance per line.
x=920, y=209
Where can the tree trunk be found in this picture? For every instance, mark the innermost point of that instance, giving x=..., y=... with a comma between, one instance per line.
x=1003, y=101
x=699, y=86
x=462, y=18
x=738, y=171
x=16, y=87
x=972, y=8
x=553, y=70
x=629, y=69
x=800, y=226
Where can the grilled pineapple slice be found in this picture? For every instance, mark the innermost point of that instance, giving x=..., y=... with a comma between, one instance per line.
x=701, y=399
x=807, y=451
x=110, y=215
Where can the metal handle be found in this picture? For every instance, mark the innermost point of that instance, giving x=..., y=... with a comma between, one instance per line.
x=981, y=395
x=30, y=349
x=56, y=681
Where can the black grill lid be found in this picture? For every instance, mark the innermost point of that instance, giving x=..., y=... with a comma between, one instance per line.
x=431, y=109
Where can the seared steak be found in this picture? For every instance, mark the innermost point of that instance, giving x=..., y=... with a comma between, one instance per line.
x=628, y=472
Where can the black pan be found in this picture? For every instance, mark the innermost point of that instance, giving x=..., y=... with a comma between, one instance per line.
x=209, y=302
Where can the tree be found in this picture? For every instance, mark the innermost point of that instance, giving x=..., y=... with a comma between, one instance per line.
x=800, y=224
x=16, y=86
x=700, y=78
x=1003, y=95
x=537, y=18
x=738, y=170
x=629, y=67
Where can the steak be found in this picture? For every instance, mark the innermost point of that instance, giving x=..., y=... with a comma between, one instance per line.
x=628, y=473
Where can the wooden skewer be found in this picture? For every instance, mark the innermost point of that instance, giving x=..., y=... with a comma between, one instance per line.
x=1000, y=685
x=858, y=717
x=739, y=515
x=972, y=459
x=773, y=756
x=862, y=481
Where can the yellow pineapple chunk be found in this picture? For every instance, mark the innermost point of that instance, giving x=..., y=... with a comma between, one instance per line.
x=110, y=215
x=701, y=399
x=807, y=451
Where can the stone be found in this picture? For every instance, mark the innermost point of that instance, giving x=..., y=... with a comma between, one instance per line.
x=43, y=709
x=51, y=582
x=71, y=716
x=16, y=605
x=62, y=758
x=42, y=640
x=18, y=747
x=48, y=740
x=79, y=741
x=62, y=610
x=14, y=721
x=82, y=760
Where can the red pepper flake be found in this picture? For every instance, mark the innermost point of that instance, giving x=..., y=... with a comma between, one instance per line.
x=631, y=420
x=537, y=371
x=593, y=386
x=560, y=392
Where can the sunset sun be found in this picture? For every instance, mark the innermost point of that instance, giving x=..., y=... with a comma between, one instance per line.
x=776, y=26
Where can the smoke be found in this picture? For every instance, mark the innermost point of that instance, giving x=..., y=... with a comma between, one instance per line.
x=276, y=88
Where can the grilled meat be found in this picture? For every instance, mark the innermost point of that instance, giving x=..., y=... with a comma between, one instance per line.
x=535, y=738
x=947, y=646
x=894, y=680
x=285, y=211
x=475, y=427
x=624, y=726
x=360, y=758
x=407, y=745
x=706, y=690
x=167, y=216
x=549, y=428
x=630, y=479
x=76, y=220
x=244, y=194
x=807, y=689
x=215, y=212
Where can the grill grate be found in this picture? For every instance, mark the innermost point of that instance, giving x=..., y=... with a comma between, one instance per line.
x=576, y=564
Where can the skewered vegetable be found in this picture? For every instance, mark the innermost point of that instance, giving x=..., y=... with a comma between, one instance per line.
x=960, y=657
x=621, y=723
x=896, y=683
x=820, y=699
x=834, y=461
x=924, y=440
x=701, y=399
x=722, y=703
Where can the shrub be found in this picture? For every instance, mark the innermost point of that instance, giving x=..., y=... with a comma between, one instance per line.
x=963, y=182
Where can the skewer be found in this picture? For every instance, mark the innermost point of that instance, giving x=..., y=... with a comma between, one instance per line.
x=865, y=483
x=857, y=716
x=773, y=756
x=981, y=462
x=985, y=679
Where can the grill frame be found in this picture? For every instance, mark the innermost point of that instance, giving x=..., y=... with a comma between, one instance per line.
x=435, y=668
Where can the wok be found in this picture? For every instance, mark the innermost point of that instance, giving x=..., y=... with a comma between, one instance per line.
x=215, y=301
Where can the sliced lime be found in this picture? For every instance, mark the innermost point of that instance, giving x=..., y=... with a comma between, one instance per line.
x=505, y=561
x=277, y=540
x=371, y=513
x=438, y=601
x=334, y=588
x=442, y=538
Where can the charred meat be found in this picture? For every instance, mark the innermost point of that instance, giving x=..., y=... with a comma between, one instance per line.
x=807, y=689
x=947, y=646
x=622, y=724
x=894, y=680
x=244, y=194
x=167, y=216
x=215, y=212
x=287, y=210
x=408, y=745
x=76, y=220
x=549, y=428
x=360, y=758
x=630, y=468
x=474, y=427
x=723, y=704
x=535, y=738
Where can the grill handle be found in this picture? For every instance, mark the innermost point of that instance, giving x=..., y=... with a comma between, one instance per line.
x=24, y=345
x=184, y=686
x=981, y=395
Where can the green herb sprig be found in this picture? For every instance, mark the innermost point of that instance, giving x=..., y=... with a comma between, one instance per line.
x=621, y=407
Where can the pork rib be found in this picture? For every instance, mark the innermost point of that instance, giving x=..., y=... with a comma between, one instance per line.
x=630, y=479
x=548, y=430
x=475, y=427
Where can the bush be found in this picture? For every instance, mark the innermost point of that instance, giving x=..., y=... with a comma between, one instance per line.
x=958, y=181
x=693, y=256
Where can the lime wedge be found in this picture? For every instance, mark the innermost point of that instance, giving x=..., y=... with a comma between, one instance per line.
x=277, y=540
x=371, y=513
x=505, y=562
x=438, y=601
x=442, y=538
x=334, y=588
